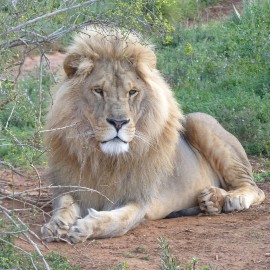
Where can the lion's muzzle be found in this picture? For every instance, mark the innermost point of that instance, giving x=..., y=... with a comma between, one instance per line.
x=118, y=139
x=117, y=123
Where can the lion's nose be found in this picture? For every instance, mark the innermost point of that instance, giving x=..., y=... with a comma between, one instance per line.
x=117, y=123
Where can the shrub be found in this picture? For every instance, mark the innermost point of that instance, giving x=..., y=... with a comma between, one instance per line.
x=32, y=27
x=11, y=258
x=223, y=69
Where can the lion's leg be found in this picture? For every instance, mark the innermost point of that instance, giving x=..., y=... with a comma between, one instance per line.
x=100, y=224
x=66, y=212
x=214, y=200
x=229, y=160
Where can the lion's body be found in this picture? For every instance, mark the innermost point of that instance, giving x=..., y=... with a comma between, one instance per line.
x=117, y=129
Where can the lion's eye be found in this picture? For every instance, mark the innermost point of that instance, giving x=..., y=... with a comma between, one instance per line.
x=98, y=91
x=133, y=92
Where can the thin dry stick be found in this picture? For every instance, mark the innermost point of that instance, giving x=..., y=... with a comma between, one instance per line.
x=8, y=214
x=6, y=196
x=39, y=181
x=46, y=16
x=56, y=129
x=36, y=236
x=11, y=167
x=40, y=97
x=13, y=187
x=76, y=188
x=22, y=250
x=11, y=113
x=20, y=144
x=13, y=233
x=60, y=195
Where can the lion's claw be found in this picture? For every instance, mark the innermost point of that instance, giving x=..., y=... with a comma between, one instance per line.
x=54, y=230
x=76, y=235
x=211, y=200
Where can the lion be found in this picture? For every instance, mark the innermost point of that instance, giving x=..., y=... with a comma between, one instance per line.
x=121, y=150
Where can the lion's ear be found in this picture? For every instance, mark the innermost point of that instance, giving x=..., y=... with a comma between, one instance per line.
x=71, y=64
x=77, y=64
x=149, y=58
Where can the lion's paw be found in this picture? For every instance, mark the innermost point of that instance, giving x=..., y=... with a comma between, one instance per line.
x=236, y=203
x=80, y=231
x=54, y=230
x=211, y=200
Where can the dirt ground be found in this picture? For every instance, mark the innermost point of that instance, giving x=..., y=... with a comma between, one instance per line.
x=239, y=241
x=227, y=241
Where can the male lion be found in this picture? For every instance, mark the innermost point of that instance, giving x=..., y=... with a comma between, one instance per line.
x=116, y=128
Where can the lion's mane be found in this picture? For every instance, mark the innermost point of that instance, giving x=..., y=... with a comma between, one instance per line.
x=75, y=157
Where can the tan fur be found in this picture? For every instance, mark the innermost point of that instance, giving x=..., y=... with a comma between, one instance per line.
x=162, y=162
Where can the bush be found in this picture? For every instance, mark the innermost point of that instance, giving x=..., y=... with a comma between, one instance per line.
x=32, y=27
x=12, y=258
x=20, y=144
x=223, y=70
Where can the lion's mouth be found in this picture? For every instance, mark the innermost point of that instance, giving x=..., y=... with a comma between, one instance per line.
x=114, y=146
x=115, y=139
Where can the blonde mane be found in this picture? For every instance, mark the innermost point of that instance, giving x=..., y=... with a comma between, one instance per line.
x=131, y=176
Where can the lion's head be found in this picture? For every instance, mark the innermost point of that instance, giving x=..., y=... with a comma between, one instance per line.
x=113, y=99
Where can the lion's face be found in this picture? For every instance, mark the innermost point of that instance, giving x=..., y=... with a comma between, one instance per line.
x=112, y=89
x=112, y=96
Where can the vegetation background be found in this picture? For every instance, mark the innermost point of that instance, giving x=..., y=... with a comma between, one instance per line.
x=221, y=68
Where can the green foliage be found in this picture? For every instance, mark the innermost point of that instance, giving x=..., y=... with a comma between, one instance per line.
x=168, y=261
x=13, y=258
x=141, y=15
x=20, y=144
x=262, y=176
x=120, y=266
x=27, y=28
x=21, y=147
x=37, y=22
x=223, y=70
x=182, y=10
x=23, y=111
x=58, y=262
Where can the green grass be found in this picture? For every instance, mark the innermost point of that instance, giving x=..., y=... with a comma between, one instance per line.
x=262, y=176
x=223, y=69
x=20, y=144
x=170, y=262
x=120, y=266
x=262, y=172
x=15, y=256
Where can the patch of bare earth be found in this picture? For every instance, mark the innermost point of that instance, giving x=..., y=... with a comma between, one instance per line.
x=227, y=241
x=222, y=10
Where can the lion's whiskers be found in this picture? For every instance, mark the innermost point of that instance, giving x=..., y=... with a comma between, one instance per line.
x=89, y=134
x=143, y=138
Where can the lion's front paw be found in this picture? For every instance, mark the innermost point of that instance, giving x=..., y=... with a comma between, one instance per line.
x=54, y=230
x=211, y=200
x=81, y=231
x=236, y=203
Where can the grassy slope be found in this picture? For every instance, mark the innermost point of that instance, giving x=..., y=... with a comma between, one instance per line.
x=223, y=69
